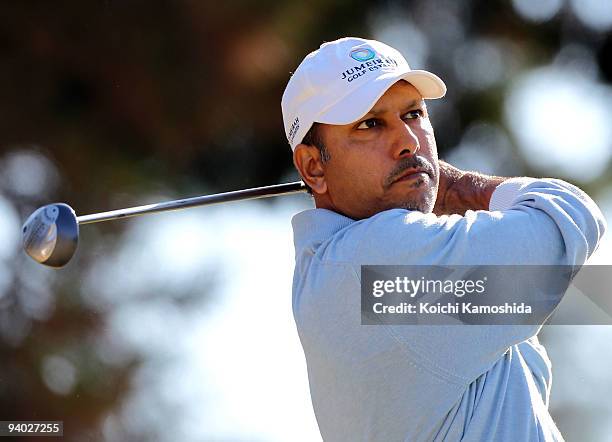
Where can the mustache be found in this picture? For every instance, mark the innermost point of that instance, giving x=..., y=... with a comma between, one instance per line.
x=413, y=162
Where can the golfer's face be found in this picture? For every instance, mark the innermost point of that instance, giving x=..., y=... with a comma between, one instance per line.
x=372, y=160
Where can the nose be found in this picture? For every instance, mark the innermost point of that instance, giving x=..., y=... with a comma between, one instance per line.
x=405, y=141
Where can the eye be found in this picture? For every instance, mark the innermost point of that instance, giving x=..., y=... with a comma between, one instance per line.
x=414, y=114
x=368, y=124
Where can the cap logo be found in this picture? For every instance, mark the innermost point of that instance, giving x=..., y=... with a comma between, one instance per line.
x=295, y=126
x=362, y=54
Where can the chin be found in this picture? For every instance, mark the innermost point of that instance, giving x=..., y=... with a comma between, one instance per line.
x=423, y=203
x=420, y=195
x=424, y=208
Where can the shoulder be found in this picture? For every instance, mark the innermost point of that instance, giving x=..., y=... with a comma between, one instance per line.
x=394, y=235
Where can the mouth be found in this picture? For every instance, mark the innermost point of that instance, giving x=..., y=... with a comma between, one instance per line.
x=411, y=174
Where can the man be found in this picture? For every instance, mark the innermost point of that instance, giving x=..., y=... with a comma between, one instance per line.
x=357, y=122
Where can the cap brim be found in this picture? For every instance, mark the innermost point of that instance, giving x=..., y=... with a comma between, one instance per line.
x=361, y=100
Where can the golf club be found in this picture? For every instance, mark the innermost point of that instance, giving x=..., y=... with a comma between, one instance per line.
x=51, y=233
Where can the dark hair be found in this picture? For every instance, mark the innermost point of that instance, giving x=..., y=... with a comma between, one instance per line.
x=313, y=138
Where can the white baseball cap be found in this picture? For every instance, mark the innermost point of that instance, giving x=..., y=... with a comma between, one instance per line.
x=342, y=80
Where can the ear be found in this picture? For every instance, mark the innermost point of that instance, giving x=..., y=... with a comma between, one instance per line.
x=307, y=160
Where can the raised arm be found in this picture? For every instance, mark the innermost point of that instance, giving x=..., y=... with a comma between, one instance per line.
x=528, y=221
x=460, y=191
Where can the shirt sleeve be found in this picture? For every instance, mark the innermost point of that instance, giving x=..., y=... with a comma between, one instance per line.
x=576, y=216
x=530, y=222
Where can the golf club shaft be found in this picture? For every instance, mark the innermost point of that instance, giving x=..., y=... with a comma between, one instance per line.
x=246, y=194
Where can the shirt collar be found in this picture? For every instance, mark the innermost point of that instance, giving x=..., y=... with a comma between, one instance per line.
x=314, y=226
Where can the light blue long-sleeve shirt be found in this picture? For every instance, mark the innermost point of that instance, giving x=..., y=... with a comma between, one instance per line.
x=425, y=382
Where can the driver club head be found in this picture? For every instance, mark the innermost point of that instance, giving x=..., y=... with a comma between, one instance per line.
x=51, y=235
